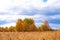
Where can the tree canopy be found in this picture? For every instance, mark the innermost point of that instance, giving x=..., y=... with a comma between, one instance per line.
x=26, y=25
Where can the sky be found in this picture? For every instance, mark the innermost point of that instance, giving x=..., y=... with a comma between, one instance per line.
x=39, y=10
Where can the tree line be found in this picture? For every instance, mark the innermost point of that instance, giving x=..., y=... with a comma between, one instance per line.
x=26, y=25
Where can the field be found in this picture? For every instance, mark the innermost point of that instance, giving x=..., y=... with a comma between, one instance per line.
x=48, y=35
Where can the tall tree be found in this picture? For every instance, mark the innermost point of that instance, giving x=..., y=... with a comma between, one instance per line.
x=45, y=26
x=30, y=26
x=19, y=26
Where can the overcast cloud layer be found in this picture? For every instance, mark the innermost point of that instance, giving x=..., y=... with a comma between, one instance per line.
x=39, y=10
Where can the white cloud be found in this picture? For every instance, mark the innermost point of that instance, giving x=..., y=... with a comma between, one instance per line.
x=57, y=16
x=8, y=25
x=53, y=4
x=15, y=17
x=54, y=26
x=6, y=5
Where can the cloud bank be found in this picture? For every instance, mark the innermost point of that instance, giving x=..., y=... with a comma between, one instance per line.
x=39, y=10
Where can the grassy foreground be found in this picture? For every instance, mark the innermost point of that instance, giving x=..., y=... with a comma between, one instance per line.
x=48, y=35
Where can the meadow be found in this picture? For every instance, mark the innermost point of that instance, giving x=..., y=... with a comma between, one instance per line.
x=47, y=35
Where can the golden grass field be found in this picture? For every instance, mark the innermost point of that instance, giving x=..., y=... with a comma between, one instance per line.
x=48, y=35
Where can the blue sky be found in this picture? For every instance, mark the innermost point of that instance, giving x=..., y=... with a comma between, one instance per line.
x=39, y=10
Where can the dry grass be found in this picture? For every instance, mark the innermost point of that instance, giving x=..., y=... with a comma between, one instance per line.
x=49, y=35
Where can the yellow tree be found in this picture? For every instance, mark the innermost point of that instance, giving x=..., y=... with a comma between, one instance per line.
x=45, y=26
x=29, y=24
x=33, y=27
x=28, y=21
x=19, y=26
x=12, y=29
x=24, y=26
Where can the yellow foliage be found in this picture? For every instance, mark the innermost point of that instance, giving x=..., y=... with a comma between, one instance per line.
x=26, y=25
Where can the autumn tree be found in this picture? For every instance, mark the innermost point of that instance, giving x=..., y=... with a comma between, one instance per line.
x=29, y=24
x=28, y=21
x=12, y=29
x=24, y=26
x=45, y=27
x=19, y=26
x=33, y=27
